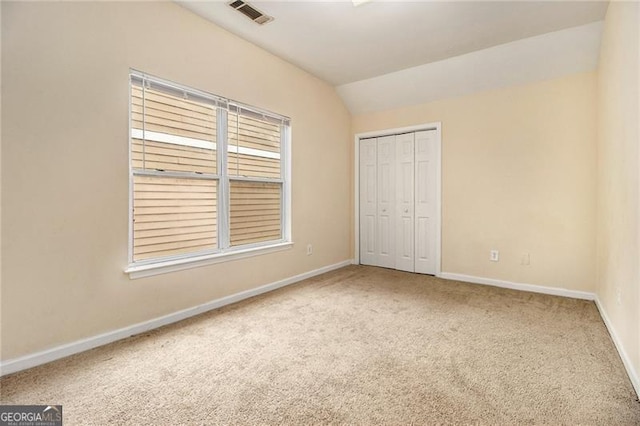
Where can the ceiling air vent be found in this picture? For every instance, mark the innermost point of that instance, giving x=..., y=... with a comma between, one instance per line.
x=251, y=12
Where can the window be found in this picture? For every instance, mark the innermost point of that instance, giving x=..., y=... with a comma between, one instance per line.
x=208, y=175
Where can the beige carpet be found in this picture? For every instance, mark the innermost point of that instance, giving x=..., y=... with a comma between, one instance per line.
x=360, y=345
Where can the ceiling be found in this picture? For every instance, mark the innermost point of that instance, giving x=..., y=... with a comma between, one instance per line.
x=543, y=57
x=341, y=43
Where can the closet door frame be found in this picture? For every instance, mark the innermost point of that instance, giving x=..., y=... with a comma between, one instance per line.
x=438, y=160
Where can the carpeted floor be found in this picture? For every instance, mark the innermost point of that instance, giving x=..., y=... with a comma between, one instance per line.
x=359, y=345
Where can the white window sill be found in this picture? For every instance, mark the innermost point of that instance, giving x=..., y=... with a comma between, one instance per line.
x=148, y=270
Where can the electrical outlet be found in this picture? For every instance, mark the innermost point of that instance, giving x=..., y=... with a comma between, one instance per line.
x=618, y=296
x=309, y=249
x=526, y=259
x=494, y=255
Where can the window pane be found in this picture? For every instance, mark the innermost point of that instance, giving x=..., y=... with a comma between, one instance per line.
x=171, y=133
x=173, y=216
x=254, y=147
x=255, y=212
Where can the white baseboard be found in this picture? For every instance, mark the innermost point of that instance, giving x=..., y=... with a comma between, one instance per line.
x=633, y=375
x=39, y=358
x=555, y=291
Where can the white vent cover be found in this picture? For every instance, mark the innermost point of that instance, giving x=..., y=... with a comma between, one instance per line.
x=250, y=12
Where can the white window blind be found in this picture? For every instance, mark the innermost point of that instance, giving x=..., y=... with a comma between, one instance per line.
x=199, y=186
x=256, y=177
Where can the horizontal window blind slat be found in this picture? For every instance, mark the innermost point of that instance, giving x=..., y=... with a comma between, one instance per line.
x=173, y=231
x=256, y=237
x=150, y=187
x=166, y=112
x=257, y=165
x=257, y=201
x=204, y=166
x=194, y=249
x=255, y=174
x=175, y=209
x=246, y=137
x=243, y=197
x=241, y=132
x=248, y=216
x=255, y=223
x=248, y=189
x=173, y=150
x=207, y=114
x=170, y=203
x=139, y=226
x=255, y=212
x=168, y=99
x=249, y=141
x=257, y=114
x=172, y=127
x=163, y=224
x=151, y=127
x=255, y=161
x=142, y=195
x=199, y=242
x=153, y=180
x=157, y=165
x=173, y=217
x=258, y=171
x=253, y=166
x=256, y=207
x=253, y=122
x=258, y=228
x=271, y=135
x=239, y=219
x=174, y=238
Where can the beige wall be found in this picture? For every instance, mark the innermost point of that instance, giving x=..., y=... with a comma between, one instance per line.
x=64, y=185
x=518, y=175
x=0, y=186
x=618, y=176
x=519, y=170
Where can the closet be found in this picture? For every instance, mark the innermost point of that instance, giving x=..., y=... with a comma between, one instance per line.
x=398, y=201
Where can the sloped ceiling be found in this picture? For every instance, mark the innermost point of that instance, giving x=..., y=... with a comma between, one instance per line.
x=351, y=47
x=532, y=59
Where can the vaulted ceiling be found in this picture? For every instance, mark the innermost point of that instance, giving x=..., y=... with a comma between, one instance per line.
x=344, y=44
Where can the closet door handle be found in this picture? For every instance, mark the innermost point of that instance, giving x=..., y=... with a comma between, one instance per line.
x=406, y=210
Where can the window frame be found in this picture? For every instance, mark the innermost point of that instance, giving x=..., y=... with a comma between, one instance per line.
x=224, y=251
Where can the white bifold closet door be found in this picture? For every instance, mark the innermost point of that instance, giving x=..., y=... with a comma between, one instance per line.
x=405, y=202
x=426, y=202
x=398, y=202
